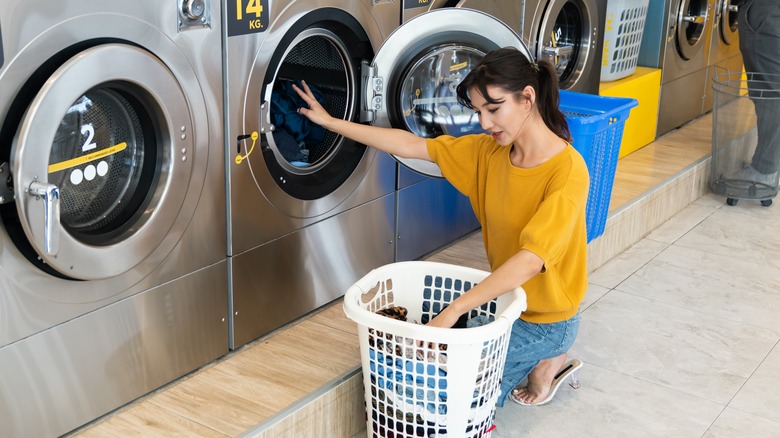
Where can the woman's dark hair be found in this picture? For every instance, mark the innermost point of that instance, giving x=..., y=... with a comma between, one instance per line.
x=509, y=69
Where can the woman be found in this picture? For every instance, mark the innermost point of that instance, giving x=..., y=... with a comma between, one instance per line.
x=528, y=187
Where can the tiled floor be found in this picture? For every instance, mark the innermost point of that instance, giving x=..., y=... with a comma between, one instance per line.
x=679, y=335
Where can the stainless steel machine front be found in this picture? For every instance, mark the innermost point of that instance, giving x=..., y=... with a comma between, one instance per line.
x=676, y=39
x=309, y=211
x=113, y=275
x=724, y=46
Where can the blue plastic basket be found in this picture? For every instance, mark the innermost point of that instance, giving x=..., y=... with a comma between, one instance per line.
x=596, y=125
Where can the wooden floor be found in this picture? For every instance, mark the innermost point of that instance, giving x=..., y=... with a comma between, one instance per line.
x=251, y=384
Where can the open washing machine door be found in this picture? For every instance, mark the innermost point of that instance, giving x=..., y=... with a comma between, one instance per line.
x=412, y=80
x=102, y=161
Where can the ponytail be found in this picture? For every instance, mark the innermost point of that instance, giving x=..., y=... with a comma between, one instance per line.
x=548, y=100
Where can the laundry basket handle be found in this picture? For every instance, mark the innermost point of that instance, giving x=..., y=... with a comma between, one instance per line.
x=354, y=308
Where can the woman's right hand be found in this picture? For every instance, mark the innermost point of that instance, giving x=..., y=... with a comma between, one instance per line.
x=315, y=112
x=393, y=141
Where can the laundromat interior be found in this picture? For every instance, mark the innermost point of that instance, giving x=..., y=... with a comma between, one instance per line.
x=176, y=240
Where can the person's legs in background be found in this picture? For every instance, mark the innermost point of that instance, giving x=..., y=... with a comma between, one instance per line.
x=759, y=42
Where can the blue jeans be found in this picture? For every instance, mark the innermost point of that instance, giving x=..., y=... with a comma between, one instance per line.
x=530, y=343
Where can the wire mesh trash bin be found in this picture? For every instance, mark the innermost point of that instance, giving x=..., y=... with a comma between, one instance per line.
x=735, y=134
x=429, y=381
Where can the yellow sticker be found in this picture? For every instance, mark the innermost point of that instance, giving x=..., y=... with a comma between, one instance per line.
x=73, y=162
x=459, y=66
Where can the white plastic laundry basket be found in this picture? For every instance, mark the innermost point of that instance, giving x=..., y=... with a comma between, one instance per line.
x=622, y=38
x=429, y=381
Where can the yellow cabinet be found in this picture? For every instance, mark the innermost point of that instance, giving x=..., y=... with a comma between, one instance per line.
x=645, y=86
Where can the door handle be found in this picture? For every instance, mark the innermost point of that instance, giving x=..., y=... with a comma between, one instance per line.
x=696, y=19
x=51, y=212
x=558, y=51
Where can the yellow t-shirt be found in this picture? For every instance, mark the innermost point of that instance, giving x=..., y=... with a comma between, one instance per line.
x=540, y=209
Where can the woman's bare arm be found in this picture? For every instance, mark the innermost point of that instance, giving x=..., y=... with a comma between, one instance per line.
x=517, y=270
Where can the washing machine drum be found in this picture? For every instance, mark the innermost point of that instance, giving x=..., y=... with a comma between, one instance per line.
x=99, y=197
x=428, y=97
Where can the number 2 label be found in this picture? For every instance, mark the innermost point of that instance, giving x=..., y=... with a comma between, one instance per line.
x=89, y=131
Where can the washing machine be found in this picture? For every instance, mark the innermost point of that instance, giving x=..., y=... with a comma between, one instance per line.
x=303, y=230
x=430, y=212
x=679, y=46
x=421, y=99
x=113, y=275
x=310, y=211
x=569, y=34
x=724, y=45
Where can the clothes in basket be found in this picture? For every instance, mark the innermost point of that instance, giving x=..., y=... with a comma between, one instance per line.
x=411, y=386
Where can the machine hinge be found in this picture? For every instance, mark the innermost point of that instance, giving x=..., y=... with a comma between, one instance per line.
x=193, y=14
x=6, y=191
x=373, y=87
x=266, y=126
x=558, y=51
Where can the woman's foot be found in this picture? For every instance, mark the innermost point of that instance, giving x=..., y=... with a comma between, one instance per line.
x=539, y=381
x=538, y=392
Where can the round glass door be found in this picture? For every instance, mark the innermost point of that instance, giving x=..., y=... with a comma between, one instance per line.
x=427, y=94
x=691, y=25
x=102, y=162
x=564, y=40
x=102, y=187
x=419, y=67
x=307, y=161
x=728, y=13
x=303, y=170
